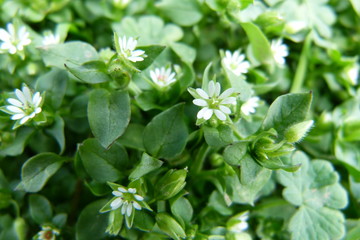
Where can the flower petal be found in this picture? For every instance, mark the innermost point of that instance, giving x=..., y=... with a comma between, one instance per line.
x=200, y=102
x=24, y=120
x=202, y=93
x=15, y=102
x=220, y=115
x=136, y=206
x=132, y=190
x=14, y=109
x=211, y=88
x=117, y=193
x=208, y=113
x=20, y=95
x=138, y=197
x=225, y=109
x=116, y=203
x=17, y=116
x=129, y=209
x=226, y=93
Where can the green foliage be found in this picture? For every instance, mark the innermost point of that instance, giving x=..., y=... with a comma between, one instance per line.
x=109, y=115
x=190, y=119
x=165, y=136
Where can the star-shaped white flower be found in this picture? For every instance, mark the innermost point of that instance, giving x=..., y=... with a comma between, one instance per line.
x=12, y=40
x=50, y=38
x=212, y=102
x=249, y=106
x=127, y=200
x=162, y=77
x=47, y=233
x=236, y=62
x=279, y=50
x=25, y=107
x=127, y=49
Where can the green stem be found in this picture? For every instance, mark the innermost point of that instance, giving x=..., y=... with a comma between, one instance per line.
x=200, y=159
x=301, y=68
x=16, y=208
x=236, y=131
x=134, y=89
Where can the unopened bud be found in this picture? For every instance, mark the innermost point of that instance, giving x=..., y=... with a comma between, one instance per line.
x=170, y=184
x=170, y=226
x=20, y=228
x=298, y=131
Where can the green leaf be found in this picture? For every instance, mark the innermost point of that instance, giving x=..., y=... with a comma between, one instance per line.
x=170, y=226
x=146, y=165
x=315, y=188
x=151, y=52
x=165, y=136
x=234, y=153
x=259, y=43
x=16, y=147
x=37, y=170
x=252, y=179
x=40, y=209
x=301, y=69
x=91, y=72
x=287, y=110
x=103, y=164
x=182, y=208
x=132, y=137
x=219, y=136
x=109, y=115
x=70, y=53
x=324, y=223
x=54, y=83
x=205, y=79
x=144, y=221
x=92, y=224
x=184, y=13
x=186, y=53
x=150, y=30
x=57, y=132
x=240, y=85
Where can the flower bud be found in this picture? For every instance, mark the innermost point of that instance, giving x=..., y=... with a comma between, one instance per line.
x=298, y=131
x=170, y=226
x=170, y=184
x=20, y=228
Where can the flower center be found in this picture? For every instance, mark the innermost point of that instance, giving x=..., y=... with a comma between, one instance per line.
x=162, y=78
x=214, y=103
x=48, y=235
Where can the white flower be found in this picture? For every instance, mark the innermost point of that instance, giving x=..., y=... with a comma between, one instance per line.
x=352, y=73
x=127, y=200
x=162, y=77
x=212, y=102
x=279, y=50
x=240, y=223
x=25, y=107
x=121, y=3
x=235, y=62
x=13, y=41
x=295, y=26
x=249, y=106
x=50, y=38
x=47, y=233
x=127, y=49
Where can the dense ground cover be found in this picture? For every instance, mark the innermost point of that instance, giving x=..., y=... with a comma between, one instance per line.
x=191, y=119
